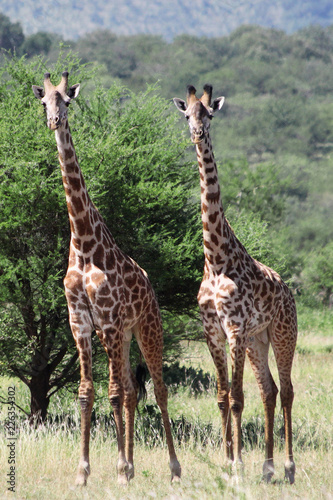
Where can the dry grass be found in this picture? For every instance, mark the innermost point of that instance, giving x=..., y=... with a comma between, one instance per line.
x=47, y=464
x=47, y=458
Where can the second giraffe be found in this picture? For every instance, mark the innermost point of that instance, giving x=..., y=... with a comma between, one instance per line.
x=241, y=301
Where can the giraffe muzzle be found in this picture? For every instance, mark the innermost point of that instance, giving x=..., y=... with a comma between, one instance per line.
x=53, y=126
x=197, y=137
x=54, y=123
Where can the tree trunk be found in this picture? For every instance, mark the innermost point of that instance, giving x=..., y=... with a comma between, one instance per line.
x=39, y=402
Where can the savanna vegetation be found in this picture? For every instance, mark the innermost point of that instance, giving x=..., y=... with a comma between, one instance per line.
x=273, y=145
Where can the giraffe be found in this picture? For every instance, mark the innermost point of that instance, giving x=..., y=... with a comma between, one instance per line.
x=106, y=292
x=241, y=301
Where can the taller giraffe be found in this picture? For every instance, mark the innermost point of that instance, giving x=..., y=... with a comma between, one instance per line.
x=241, y=301
x=107, y=292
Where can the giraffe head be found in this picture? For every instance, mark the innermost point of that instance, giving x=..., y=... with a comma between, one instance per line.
x=56, y=99
x=199, y=112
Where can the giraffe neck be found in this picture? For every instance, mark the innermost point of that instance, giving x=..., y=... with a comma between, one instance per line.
x=82, y=213
x=216, y=230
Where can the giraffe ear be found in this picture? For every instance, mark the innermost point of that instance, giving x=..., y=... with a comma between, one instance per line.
x=180, y=104
x=73, y=91
x=38, y=91
x=217, y=103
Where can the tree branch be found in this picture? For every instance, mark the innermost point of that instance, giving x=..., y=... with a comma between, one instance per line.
x=4, y=402
x=64, y=376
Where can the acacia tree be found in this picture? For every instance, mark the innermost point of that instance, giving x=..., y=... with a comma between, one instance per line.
x=136, y=178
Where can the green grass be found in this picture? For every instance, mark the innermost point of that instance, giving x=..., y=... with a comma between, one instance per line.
x=47, y=458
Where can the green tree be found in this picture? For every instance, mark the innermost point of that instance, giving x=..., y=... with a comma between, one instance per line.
x=11, y=34
x=106, y=48
x=260, y=189
x=317, y=275
x=132, y=156
x=38, y=44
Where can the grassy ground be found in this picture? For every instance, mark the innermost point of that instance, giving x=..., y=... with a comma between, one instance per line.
x=46, y=459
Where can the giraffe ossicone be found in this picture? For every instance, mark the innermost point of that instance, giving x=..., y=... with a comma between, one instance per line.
x=107, y=292
x=241, y=301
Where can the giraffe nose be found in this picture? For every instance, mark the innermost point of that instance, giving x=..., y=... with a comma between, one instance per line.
x=54, y=122
x=198, y=135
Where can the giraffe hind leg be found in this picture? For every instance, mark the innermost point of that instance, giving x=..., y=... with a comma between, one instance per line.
x=284, y=349
x=257, y=352
x=150, y=340
x=113, y=344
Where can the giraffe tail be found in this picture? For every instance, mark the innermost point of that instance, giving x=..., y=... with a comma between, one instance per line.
x=141, y=375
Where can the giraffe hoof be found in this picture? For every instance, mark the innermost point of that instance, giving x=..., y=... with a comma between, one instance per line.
x=176, y=472
x=268, y=471
x=289, y=471
x=130, y=473
x=80, y=480
x=123, y=470
x=82, y=475
x=122, y=480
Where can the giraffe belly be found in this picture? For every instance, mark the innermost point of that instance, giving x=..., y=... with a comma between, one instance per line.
x=235, y=307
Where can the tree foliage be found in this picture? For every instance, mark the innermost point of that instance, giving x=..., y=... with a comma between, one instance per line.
x=11, y=34
x=318, y=275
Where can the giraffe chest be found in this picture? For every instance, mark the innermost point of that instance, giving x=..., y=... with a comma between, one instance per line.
x=239, y=303
x=108, y=296
x=93, y=288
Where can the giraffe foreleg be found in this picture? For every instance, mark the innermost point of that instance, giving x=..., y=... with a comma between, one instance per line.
x=82, y=327
x=219, y=355
x=114, y=342
x=130, y=403
x=86, y=403
x=216, y=342
x=236, y=394
x=86, y=398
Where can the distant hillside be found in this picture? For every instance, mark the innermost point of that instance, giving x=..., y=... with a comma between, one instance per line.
x=74, y=18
